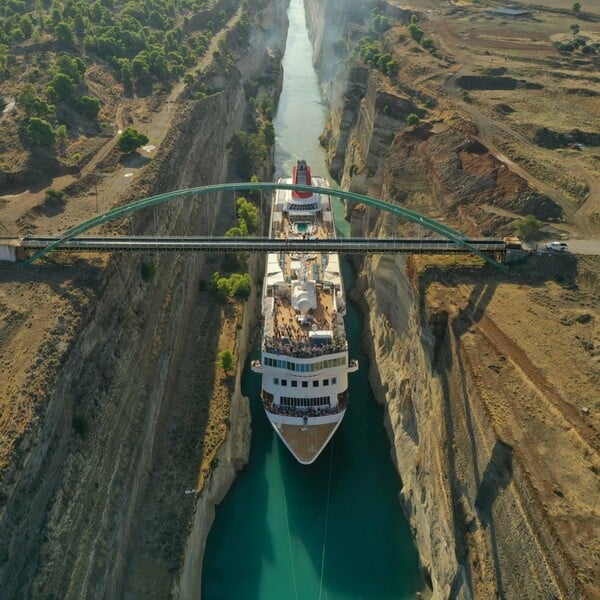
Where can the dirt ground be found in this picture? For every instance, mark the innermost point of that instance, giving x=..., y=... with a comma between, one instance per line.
x=559, y=92
x=532, y=344
x=43, y=307
x=530, y=340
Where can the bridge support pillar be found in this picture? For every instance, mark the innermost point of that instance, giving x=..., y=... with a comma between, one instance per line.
x=11, y=251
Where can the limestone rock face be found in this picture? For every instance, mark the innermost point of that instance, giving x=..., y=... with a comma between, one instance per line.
x=479, y=529
x=70, y=506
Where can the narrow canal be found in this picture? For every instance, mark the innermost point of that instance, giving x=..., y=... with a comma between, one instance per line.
x=332, y=530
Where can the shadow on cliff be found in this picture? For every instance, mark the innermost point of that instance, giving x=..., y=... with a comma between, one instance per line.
x=497, y=475
x=534, y=272
x=240, y=542
x=458, y=409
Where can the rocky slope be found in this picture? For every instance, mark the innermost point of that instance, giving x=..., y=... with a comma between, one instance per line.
x=69, y=507
x=474, y=408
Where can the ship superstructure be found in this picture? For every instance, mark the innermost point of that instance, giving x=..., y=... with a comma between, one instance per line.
x=304, y=358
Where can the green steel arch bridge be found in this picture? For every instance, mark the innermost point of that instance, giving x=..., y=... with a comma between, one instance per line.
x=452, y=241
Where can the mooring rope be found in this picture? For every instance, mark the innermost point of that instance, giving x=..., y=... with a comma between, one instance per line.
x=326, y=521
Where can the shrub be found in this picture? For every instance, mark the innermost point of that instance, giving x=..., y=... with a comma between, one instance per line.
x=148, y=271
x=52, y=194
x=416, y=33
x=226, y=361
x=413, y=119
x=528, y=228
x=40, y=132
x=131, y=139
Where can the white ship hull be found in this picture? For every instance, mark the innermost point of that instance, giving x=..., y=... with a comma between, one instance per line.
x=304, y=359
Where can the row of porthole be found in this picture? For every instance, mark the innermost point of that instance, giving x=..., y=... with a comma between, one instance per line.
x=294, y=382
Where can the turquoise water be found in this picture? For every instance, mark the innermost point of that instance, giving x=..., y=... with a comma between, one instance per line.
x=332, y=530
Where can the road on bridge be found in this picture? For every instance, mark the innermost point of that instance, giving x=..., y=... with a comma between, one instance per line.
x=589, y=247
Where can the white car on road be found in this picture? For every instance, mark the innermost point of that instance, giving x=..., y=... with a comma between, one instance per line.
x=557, y=246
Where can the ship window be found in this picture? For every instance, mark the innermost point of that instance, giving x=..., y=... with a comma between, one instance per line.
x=276, y=380
x=325, y=381
x=316, y=383
x=305, y=384
x=284, y=382
x=333, y=380
x=294, y=383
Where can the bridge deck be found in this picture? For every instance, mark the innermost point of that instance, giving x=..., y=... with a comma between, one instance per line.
x=228, y=244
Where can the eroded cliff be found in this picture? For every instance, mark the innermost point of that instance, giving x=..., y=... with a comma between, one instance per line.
x=476, y=403
x=117, y=399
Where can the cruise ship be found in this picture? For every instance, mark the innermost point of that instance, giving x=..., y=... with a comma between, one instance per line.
x=304, y=356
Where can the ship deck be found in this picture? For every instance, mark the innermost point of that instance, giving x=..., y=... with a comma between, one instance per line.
x=306, y=442
x=285, y=323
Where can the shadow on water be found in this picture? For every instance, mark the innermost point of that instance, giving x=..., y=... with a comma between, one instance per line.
x=239, y=539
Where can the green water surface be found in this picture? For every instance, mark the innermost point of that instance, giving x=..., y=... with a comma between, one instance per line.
x=332, y=530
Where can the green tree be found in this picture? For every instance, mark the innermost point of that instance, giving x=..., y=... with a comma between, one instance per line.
x=27, y=26
x=576, y=8
x=89, y=107
x=413, y=119
x=61, y=133
x=248, y=214
x=237, y=285
x=73, y=67
x=226, y=361
x=32, y=104
x=528, y=228
x=131, y=139
x=79, y=25
x=63, y=34
x=140, y=69
x=60, y=89
x=40, y=132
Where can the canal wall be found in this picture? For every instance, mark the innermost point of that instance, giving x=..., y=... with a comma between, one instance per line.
x=469, y=504
x=72, y=501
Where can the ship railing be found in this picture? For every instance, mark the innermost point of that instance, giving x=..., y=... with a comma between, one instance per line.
x=312, y=411
x=302, y=351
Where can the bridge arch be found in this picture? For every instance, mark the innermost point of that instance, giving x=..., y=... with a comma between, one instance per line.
x=137, y=205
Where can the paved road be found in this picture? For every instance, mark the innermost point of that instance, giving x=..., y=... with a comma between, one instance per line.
x=574, y=246
x=584, y=246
